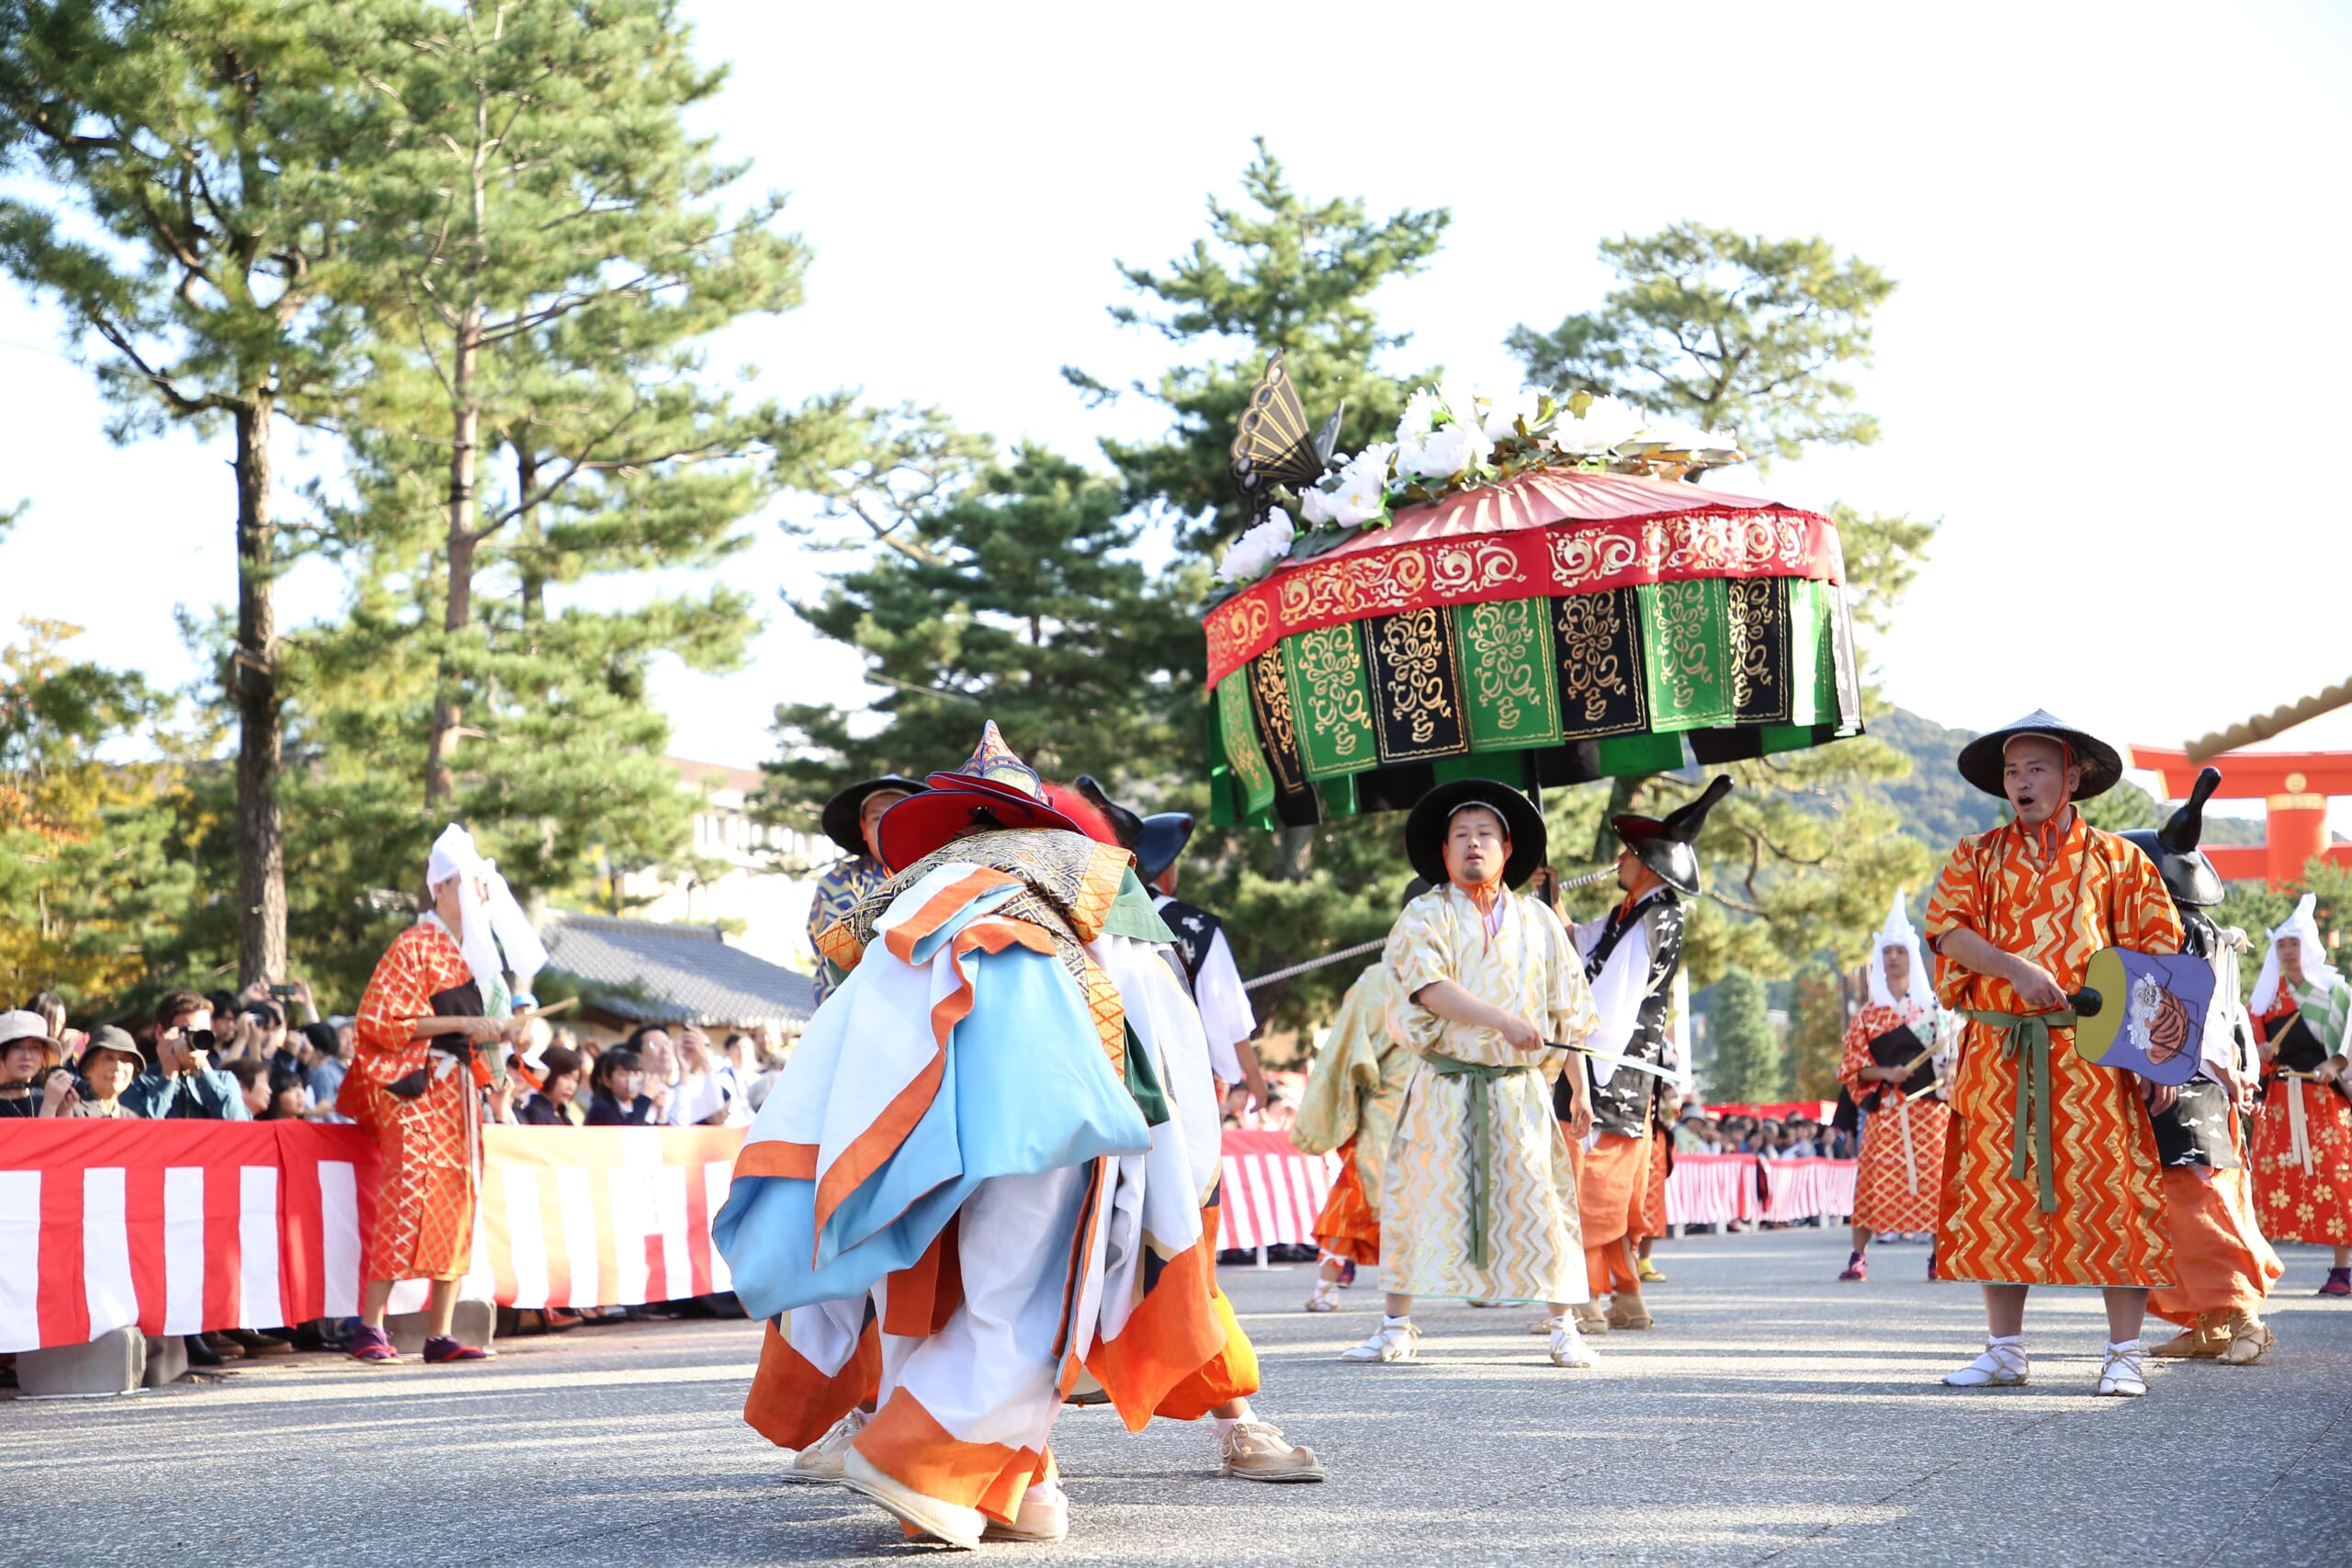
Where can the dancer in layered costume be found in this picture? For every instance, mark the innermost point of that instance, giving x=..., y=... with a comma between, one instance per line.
x=1630, y=956
x=2224, y=1264
x=2302, y=1148
x=2051, y=1172
x=942, y=1207
x=850, y=819
x=424, y=1048
x=1479, y=1198
x=1351, y=1106
x=1901, y=1171
x=1207, y=955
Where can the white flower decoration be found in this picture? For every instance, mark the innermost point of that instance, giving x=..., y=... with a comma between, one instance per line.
x=1500, y=417
x=1254, y=554
x=1447, y=451
x=1607, y=422
x=1420, y=414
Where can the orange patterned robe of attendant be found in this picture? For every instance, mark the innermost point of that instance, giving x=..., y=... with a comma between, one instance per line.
x=2304, y=1193
x=423, y=1226
x=1892, y=1192
x=2055, y=897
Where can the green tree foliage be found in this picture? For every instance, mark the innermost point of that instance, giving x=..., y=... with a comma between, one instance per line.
x=196, y=165
x=1279, y=272
x=1018, y=599
x=1733, y=330
x=85, y=869
x=1749, y=1067
x=549, y=239
x=1816, y=1031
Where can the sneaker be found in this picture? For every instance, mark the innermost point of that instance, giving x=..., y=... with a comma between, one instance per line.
x=1858, y=1266
x=1347, y=1274
x=1389, y=1342
x=2003, y=1365
x=1326, y=1297
x=1257, y=1450
x=1649, y=1272
x=1044, y=1515
x=2340, y=1283
x=1567, y=1346
x=820, y=1461
x=2121, y=1375
x=1626, y=1312
x=2202, y=1340
x=443, y=1349
x=373, y=1345
x=950, y=1522
x=2249, y=1338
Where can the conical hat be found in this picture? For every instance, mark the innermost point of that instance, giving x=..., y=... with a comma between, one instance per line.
x=1980, y=759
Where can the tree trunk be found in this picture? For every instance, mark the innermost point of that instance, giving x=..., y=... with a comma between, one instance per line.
x=440, y=777
x=529, y=562
x=252, y=688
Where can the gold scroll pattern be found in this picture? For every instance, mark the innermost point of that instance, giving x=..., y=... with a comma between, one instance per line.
x=1594, y=672
x=1414, y=679
x=1330, y=666
x=1755, y=638
x=1276, y=718
x=1241, y=739
x=1686, y=658
x=1472, y=567
x=1509, y=669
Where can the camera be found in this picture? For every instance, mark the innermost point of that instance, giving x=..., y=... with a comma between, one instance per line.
x=282, y=993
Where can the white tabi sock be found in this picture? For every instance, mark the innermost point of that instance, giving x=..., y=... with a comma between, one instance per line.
x=1388, y=1322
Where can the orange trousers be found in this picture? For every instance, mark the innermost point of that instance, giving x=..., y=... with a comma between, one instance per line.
x=1613, y=1186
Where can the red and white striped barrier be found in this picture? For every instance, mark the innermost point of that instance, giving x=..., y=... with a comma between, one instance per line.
x=1271, y=1193
x=1800, y=1188
x=1711, y=1189
x=183, y=1227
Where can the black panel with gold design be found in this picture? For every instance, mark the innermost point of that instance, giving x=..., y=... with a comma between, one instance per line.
x=1295, y=799
x=1603, y=682
x=1758, y=653
x=1417, y=715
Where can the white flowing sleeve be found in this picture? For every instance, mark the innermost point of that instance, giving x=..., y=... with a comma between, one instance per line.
x=1617, y=995
x=1226, y=1015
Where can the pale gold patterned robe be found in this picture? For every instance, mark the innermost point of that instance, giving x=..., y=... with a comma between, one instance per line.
x=1529, y=966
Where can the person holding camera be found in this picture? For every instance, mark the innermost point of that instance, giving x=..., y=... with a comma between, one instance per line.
x=28, y=1053
x=183, y=1085
x=109, y=1064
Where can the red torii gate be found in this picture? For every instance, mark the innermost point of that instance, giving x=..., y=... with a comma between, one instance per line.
x=2294, y=786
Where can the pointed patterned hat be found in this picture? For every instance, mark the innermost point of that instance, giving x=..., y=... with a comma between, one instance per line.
x=993, y=790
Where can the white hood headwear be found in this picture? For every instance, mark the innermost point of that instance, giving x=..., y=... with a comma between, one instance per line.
x=2317, y=971
x=488, y=928
x=1898, y=933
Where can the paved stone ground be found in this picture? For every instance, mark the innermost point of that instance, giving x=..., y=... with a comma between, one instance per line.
x=1775, y=1415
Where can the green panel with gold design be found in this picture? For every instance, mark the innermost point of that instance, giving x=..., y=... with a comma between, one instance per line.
x=1685, y=637
x=1509, y=687
x=1331, y=695
x=1238, y=732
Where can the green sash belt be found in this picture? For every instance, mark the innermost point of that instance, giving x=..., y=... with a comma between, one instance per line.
x=2028, y=1034
x=1482, y=1137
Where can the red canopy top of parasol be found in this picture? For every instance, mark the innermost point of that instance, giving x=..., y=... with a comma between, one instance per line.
x=1549, y=531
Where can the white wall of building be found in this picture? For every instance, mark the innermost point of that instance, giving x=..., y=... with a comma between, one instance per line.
x=770, y=879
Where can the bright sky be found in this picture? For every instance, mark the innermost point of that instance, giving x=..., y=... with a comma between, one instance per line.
x=2113, y=368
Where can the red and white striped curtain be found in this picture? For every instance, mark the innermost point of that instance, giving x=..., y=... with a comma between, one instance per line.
x=1271, y=1193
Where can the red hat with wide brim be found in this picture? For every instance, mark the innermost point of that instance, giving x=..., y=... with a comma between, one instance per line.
x=993, y=791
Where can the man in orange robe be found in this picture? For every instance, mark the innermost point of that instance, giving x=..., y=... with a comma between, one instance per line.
x=2051, y=1177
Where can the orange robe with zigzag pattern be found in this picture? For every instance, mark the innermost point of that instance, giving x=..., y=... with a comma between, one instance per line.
x=2055, y=899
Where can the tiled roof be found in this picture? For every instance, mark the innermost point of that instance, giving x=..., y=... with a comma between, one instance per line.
x=686, y=973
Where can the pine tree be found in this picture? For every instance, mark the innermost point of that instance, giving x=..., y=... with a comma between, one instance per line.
x=199, y=162
x=1817, y=1032
x=551, y=235
x=1747, y=1062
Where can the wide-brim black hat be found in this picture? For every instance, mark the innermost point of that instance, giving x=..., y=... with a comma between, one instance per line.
x=1128, y=824
x=1668, y=844
x=839, y=817
x=2102, y=765
x=1425, y=828
x=1165, y=834
x=2189, y=876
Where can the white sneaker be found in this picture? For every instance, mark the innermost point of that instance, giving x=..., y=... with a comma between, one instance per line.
x=950, y=1522
x=1390, y=1342
x=820, y=1461
x=1326, y=1297
x=2122, y=1376
x=1044, y=1515
x=1569, y=1349
x=2003, y=1365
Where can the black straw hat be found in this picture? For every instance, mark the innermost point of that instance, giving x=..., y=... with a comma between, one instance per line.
x=1665, y=844
x=2189, y=876
x=839, y=817
x=1980, y=760
x=1432, y=814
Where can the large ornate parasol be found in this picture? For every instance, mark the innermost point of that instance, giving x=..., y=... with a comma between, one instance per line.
x=1560, y=626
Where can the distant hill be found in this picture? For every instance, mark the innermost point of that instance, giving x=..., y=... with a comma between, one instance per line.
x=1939, y=808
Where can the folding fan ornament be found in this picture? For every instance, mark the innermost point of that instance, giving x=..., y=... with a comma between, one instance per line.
x=2153, y=1022
x=1270, y=443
